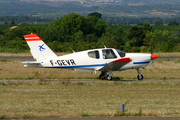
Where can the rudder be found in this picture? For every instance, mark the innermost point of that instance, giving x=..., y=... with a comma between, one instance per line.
x=39, y=50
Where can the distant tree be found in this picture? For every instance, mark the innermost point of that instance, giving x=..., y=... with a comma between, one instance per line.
x=73, y=26
x=140, y=24
x=158, y=23
x=147, y=27
x=119, y=36
x=148, y=39
x=173, y=23
x=6, y=23
x=96, y=14
x=12, y=22
x=136, y=36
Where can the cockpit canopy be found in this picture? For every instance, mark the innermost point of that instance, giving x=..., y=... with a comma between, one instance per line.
x=121, y=53
x=106, y=53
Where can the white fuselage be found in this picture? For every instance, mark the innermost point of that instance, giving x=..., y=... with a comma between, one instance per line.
x=82, y=61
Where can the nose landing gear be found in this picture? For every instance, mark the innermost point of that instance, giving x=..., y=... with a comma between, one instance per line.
x=140, y=76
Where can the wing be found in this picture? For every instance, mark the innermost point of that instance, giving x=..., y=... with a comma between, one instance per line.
x=116, y=64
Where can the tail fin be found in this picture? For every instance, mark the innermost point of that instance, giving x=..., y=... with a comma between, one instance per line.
x=39, y=49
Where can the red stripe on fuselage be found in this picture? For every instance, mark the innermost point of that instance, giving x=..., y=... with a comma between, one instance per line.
x=123, y=60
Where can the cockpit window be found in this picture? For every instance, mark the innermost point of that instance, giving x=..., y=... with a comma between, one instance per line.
x=94, y=54
x=121, y=53
x=108, y=54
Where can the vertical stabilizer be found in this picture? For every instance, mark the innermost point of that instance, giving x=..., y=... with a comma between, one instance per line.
x=39, y=50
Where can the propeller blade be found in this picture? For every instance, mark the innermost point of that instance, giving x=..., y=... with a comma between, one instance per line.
x=151, y=48
x=153, y=57
x=153, y=65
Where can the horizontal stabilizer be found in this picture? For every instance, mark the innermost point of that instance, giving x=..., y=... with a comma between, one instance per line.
x=116, y=64
x=32, y=62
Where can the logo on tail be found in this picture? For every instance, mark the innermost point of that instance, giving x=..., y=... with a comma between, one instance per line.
x=41, y=47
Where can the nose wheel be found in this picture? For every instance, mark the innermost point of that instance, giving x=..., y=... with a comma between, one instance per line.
x=140, y=76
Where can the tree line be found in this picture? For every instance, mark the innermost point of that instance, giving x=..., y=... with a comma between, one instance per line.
x=132, y=20
x=80, y=33
x=109, y=20
x=23, y=18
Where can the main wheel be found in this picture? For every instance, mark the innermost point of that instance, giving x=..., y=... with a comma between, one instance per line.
x=140, y=77
x=109, y=77
x=102, y=77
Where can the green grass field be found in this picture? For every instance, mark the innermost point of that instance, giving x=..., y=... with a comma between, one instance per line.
x=84, y=99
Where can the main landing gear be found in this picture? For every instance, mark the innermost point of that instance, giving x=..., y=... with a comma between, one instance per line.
x=140, y=76
x=105, y=76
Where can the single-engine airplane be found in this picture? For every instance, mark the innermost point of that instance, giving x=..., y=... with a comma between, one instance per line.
x=105, y=59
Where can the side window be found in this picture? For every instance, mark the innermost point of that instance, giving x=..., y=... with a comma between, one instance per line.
x=94, y=54
x=108, y=54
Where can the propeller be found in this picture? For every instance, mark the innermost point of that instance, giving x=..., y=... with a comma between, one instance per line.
x=153, y=56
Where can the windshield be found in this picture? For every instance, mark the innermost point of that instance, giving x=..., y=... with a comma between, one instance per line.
x=121, y=53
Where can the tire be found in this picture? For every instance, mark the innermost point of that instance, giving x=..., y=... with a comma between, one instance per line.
x=140, y=77
x=101, y=77
x=109, y=78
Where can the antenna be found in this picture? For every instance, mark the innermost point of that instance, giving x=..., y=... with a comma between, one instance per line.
x=72, y=50
x=104, y=45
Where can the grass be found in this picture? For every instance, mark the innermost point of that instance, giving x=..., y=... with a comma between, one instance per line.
x=84, y=99
x=14, y=70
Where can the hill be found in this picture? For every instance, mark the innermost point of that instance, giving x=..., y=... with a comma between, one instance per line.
x=127, y=2
x=123, y=8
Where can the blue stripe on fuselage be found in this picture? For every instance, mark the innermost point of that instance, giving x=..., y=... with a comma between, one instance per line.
x=141, y=62
x=79, y=66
